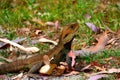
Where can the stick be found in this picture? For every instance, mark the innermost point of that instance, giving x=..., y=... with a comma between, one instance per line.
x=28, y=49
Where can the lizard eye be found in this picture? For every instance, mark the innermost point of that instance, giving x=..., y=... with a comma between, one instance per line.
x=72, y=27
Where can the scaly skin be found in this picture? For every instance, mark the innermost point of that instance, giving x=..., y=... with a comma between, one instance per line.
x=35, y=62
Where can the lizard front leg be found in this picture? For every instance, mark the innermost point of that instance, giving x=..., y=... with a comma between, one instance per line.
x=35, y=68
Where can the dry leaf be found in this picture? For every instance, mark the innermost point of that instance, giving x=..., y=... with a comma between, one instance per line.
x=25, y=57
x=72, y=73
x=110, y=58
x=44, y=69
x=51, y=69
x=93, y=27
x=47, y=40
x=118, y=31
x=18, y=77
x=60, y=70
x=48, y=69
x=95, y=63
x=100, y=68
x=97, y=77
x=88, y=16
x=86, y=67
x=24, y=31
x=50, y=23
x=38, y=21
x=113, y=70
x=32, y=49
x=37, y=32
x=57, y=25
x=64, y=63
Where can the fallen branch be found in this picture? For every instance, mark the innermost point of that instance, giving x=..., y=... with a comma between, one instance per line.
x=98, y=75
x=17, y=40
x=94, y=49
x=28, y=49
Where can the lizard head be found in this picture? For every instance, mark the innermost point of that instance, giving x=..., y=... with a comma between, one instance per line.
x=68, y=32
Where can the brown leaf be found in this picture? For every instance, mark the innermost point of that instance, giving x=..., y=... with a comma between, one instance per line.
x=50, y=23
x=24, y=31
x=60, y=70
x=57, y=25
x=72, y=73
x=48, y=69
x=32, y=49
x=97, y=77
x=118, y=31
x=44, y=69
x=86, y=67
x=37, y=32
x=38, y=21
x=118, y=75
x=100, y=68
x=18, y=77
x=95, y=63
x=114, y=70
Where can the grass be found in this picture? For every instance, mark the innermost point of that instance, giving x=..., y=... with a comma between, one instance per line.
x=14, y=14
x=65, y=11
x=101, y=56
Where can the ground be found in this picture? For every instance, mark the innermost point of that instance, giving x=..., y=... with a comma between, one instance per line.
x=17, y=19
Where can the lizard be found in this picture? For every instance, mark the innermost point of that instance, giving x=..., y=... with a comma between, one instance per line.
x=34, y=63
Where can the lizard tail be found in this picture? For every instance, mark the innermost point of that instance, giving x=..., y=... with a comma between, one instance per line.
x=13, y=66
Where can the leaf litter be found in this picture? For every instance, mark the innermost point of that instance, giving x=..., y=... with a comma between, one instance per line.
x=112, y=42
x=100, y=46
x=52, y=69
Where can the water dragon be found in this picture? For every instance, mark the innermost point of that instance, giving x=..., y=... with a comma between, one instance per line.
x=34, y=63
